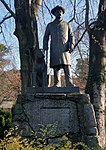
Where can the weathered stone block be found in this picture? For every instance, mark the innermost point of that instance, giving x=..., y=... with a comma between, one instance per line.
x=91, y=131
x=18, y=109
x=92, y=141
x=90, y=120
x=72, y=113
x=54, y=111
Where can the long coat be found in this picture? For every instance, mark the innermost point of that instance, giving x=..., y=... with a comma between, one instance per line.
x=61, y=41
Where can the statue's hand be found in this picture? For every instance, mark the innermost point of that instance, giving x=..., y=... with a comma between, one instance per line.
x=70, y=50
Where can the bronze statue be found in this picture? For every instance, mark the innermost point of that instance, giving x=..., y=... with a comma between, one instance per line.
x=60, y=47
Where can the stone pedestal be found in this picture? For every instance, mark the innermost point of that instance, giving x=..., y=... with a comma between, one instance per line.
x=72, y=113
x=53, y=90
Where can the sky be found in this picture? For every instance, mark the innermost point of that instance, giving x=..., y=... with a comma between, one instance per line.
x=44, y=18
x=8, y=38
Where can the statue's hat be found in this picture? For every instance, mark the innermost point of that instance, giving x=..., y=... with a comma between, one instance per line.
x=56, y=8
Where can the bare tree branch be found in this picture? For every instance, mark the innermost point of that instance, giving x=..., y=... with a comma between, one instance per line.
x=80, y=53
x=48, y=9
x=80, y=39
x=74, y=6
x=87, y=15
x=5, y=18
x=1, y=32
x=8, y=8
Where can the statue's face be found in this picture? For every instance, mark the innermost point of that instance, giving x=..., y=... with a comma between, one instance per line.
x=58, y=14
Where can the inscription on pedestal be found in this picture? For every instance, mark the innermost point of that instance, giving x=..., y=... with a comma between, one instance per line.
x=58, y=116
x=59, y=112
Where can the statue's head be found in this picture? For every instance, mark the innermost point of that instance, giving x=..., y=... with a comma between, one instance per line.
x=58, y=11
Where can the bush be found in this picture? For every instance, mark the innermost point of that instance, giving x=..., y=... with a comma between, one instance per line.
x=5, y=122
x=13, y=141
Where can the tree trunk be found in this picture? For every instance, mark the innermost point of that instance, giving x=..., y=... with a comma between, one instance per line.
x=26, y=32
x=96, y=83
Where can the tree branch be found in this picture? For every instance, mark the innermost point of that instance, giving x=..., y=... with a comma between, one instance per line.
x=87, y=15
x=5, y=18
x=80, y=39
x=8, y=8
x=48, y=9
x=74, y=7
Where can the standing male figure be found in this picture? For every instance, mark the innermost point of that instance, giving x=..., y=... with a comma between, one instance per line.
x=60, y=47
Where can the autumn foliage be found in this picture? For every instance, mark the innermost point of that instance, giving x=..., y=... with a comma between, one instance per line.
x=9, y=80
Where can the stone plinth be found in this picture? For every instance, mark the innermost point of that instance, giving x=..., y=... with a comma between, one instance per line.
x=72, y=113
x=53, y=90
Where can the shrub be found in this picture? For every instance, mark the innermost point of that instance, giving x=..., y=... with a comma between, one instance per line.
x=13, y=141
x=5, y=122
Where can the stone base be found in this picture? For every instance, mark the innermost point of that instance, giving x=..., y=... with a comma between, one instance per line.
x=73, y=89
x=72, y=113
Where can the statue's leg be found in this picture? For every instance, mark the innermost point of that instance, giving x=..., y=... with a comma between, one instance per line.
x=57, y=78
x=33, y=79
x=67, y=71
x=45, y=80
